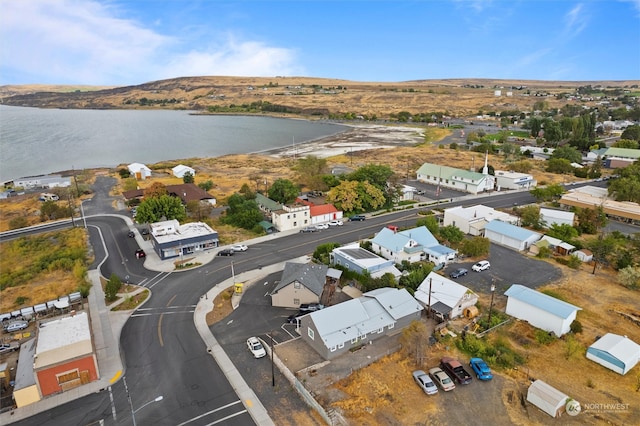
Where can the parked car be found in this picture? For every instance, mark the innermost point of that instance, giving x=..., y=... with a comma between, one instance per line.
x=255, y=347
x=455, y=370
x=239, y=247
x=441, y=379
x=14, y=326
x=309, y=229
x=335, y=223
x=458, y=273
x=481, y=266
x=145, y=231
x=140, y=254
x=311, y=307
x=226, y=252
x=357, y=217
x=131, y=234
x=424, y=381
x=293, y=319
x=321, y=226
x=394, y=228
x=6, y=348
x=482, y=370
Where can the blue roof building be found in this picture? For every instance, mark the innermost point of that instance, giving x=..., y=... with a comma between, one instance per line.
x=540, y=310
x=509, y=235
x=412, y=245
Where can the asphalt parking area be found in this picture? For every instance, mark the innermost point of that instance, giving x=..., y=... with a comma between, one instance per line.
x=507, y=267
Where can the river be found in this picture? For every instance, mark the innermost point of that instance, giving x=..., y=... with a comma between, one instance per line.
x=39, y=141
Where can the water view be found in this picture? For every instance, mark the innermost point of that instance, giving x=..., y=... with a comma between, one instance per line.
x=39, y=141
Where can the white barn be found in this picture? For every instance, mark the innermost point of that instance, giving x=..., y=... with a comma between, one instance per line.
x=558, y=217
x=180, y=170
x=139, y=171
x=547, y=398
x=539, y=310
x=510, y=235
x=617, y=353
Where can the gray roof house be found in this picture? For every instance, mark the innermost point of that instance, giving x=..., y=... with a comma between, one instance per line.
x=335, y=330
x=355, y=258
x=300, y=283
x=448, y=298
x=458, y=179
x=412, y=245
x=540, y=310
x=510, y=235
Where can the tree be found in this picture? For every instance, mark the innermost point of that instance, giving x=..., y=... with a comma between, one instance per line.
x=547, y=193
x=124, y=173
x=451, y=233
x=523, y=166
x=354, y=196
x=591, y=220
x=112, y=287
x=414, y=341
x=476, y=246
x=242, y=212
x=552, y=132
x=626, y=143
x=322, y=252
x=283, y=191
x=155, y=190
x=627, y=186
x=564, y=232
x=163, y=207
x=530, y=216
x=311, y=170
x=630, y=277
x=559, y=165
x=430, y=222
x=188, y=177
x=568, y=152
x=631, y=133
x=206, y=185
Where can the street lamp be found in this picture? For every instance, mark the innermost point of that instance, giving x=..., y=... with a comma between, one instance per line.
x=133, y=412
x=493, y=290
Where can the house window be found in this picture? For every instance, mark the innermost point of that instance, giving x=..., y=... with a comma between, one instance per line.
x=295, y=223
x=296, y=284
x=296, y=302
x=310, y=333
x=380, y=330
x=341, y=345
x=333, y=349
x=363, y=337
x=68, y=376
x=294, y=215
x=354, y=341
x=288, y=216
x=391, y=326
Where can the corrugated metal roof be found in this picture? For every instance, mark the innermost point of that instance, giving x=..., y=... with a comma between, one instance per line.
x=442, y=290
x=618, y=346
x=448, y=173
x=541, y=301
x=322, y=209
x=510, y=230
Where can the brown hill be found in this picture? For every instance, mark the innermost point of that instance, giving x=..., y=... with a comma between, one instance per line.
x=308, y=96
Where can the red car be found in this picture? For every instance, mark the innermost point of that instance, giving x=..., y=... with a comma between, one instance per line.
x=140, y=254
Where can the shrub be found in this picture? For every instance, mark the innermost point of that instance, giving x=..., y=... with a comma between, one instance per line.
x=545, y=337
x=21, y=300
x=18, y=222
x=453, y=145
x=574, y=262
x=113, y=286
x=576, y=327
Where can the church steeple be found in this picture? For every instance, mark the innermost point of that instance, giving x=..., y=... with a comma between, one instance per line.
x=485, y=169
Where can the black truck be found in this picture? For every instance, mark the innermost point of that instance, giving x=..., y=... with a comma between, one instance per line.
x=455, y=370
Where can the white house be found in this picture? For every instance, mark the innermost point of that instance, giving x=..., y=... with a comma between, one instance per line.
x=513, y=180
x=412, y=245
x=355, y=258
x=407, y=193
x=617, y=353
x=510, y=235
x=139, y=171
x=458, y=179
x=473, y=219
x=180, y=170
x=557, y=217
x=547, y=398
x=448, y=298
x=539, y=310
x=291, y=217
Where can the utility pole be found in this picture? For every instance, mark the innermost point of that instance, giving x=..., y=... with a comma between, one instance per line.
x=429, y=303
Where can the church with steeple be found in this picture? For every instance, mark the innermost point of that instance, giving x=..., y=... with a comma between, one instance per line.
x=458, y=179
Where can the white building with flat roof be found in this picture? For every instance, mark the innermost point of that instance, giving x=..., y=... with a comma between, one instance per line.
x=514, y=180
x=170, y=239
x=472, y=220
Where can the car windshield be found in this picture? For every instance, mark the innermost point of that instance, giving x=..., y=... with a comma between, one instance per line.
x=256, y=346
x=446, y=380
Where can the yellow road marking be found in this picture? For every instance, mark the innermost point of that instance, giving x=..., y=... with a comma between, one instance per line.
x=116, y=377
x=160, y=330
x=248, y=403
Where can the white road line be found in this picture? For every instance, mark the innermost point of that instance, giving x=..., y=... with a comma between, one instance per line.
x=113, y=406
x=211, y=412
x=160, y=313
x=228, y=417
x=166, y=307
x=160, y=279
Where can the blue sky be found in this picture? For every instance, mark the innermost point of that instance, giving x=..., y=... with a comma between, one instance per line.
x=117, y=42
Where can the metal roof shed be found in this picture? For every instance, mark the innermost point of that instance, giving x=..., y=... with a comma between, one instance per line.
x=547, y=398
x=617, y=353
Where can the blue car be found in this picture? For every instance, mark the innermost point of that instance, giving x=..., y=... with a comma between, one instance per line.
x=482, y=370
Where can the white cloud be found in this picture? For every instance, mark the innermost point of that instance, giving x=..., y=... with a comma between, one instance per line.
x=87, y=42
x=576, y=20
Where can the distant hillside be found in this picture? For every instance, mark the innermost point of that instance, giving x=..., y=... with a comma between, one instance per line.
x=306, y=96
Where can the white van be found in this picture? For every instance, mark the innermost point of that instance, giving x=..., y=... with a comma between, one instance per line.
x=16, y=326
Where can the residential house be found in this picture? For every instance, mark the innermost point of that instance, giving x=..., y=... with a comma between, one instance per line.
x=337, y=329
x=180, y=170
x=355, y=258
x=185, y=191
x=170, y=239
x=556, y=245
x=411, y=245
x=139, y=171
x=300, y=283
x=458, y=179
x=406, y=193
x=540, y=310
x=42, y=181
x=446, y=298
x=556, y=217
x=509, y=235
x=291, y=217
x=617, y=353
x=473, y=219
x=513, y=180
